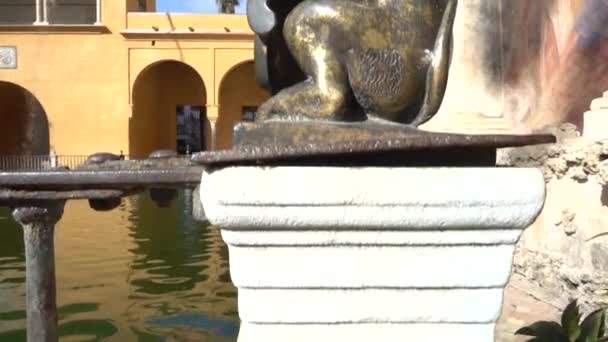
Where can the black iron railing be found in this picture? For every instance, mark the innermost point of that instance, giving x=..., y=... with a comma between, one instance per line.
x=17, y=163
x=40, y=162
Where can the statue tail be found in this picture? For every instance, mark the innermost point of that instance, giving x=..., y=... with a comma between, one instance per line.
x=437, y=75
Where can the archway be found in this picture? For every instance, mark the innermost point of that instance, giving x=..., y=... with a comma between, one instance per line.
x=25, y=128
x=169, y=100
x=239, y=97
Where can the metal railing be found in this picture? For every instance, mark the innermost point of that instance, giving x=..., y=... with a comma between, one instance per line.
x=40, y=162
x=70, y=161
x=16, y=163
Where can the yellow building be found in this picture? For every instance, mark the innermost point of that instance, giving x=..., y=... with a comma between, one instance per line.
x=84, y=76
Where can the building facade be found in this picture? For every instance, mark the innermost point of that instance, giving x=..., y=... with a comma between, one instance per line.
x=83, y=76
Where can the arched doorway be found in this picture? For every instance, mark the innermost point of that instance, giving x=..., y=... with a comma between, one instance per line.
x=169, y=100
x=24, y=128
x=239, y=97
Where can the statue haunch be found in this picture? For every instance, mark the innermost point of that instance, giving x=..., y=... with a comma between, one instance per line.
x=385, y=59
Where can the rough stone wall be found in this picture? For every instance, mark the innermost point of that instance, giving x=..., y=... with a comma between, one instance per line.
x=566, y=250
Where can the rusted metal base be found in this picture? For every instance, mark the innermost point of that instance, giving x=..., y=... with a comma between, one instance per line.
x=292, y=133
x=359, y=144
x=38, y=219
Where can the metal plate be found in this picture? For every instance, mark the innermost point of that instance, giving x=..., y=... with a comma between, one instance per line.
x=8, y=57
x=431, y=147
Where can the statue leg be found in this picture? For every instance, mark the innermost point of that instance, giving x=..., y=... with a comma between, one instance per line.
x=326, y=93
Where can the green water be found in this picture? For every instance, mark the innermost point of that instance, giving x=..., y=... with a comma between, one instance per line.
x=138, y=273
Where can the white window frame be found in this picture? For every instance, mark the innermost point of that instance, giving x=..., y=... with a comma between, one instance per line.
x=42, y=13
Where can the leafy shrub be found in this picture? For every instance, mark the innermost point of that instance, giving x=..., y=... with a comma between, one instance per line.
x=591, y=329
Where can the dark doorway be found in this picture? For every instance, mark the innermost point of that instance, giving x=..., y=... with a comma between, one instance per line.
x=249, y=113
x=24, y=127
x=190, y=129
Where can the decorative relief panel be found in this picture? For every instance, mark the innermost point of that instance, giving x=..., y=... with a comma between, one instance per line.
x=8, y=57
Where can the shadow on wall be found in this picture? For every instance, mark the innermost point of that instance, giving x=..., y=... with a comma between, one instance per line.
x=238, y=90
x=555, y=58
x=24, y=126
x=604, y=197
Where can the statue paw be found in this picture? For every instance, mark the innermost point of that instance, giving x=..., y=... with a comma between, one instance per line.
x=267, y=110
x=305, y=101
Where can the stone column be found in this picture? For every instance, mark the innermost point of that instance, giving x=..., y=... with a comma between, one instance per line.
x=197, y=207
x=212, y=116
x=45, y=10
x=371, y=254
x=38, y=21
x=212, y=124
x=596, y=120
x=38, y=219
x=98, y=12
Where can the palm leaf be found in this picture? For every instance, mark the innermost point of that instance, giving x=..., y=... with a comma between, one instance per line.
x=592, y=326
x=227, y=6
x=570, y=319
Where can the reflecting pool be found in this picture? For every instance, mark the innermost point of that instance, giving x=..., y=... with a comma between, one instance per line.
x=137, y=273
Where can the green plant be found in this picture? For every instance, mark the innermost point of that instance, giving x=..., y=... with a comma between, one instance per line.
x=591, y=329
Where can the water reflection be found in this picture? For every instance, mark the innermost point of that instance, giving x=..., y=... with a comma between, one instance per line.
x=12, y=277
x=138, y=273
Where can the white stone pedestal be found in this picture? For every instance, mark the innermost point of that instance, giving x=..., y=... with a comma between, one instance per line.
x=371, y=254
x=596, y=119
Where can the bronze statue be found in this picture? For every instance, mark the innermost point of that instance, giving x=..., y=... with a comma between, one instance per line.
x=352, y=60
x=352, y=80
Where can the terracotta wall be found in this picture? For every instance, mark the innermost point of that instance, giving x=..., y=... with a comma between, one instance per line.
x=520, y=65
x=555, y=59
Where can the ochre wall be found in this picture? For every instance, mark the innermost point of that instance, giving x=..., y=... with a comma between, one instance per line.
x=238, y=89
x=78, y=77
x=84, y=77
x=200, y=22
